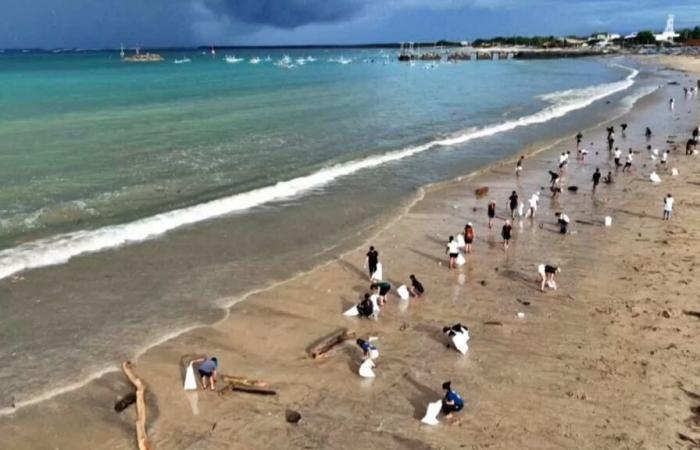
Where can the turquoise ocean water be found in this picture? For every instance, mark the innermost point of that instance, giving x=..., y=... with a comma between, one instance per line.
x=96, y=154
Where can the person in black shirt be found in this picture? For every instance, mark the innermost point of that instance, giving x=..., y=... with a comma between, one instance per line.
x=372, y=260
x=506, y=234
x=596, y=178
x=579, y=137
x=416, y=289
x=491, y=212
x=513, y=201
x=365, y=308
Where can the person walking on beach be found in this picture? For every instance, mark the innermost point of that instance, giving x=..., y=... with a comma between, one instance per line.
x=452, y=251
x=596, y=178
x=416, y=289
x=563, y=161
x=671, y=103
x=648, y=133
x=563, y=221
x=207, y=371
x=372, y=260
x=690, y=146
x=452, y=402
x=668, y=207
x=617, y=155
x=553, y=178
x=579, y=137
x=513, y=203
x=628, y=161
x=547, y=273
x=491, y=212
x=533, y=205
x=469, y=235
x=519, y=166
x=506, y=234
x=623, y=128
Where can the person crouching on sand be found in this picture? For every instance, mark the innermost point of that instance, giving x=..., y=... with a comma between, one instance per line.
x=506, y=234
x=416, y=289
x=369, y=350
x=608, y=178
x=366, y=307
x=563, y=221
x=381, y=289
x=668, y=207
x=452, y=251
x=547, y=273
x=452, y=402
x=469, y=235
x=207, y=371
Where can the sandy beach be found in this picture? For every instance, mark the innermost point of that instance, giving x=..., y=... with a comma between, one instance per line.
x=606, y=361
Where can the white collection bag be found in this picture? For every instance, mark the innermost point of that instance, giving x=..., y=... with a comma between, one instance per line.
x=366, y=369
x=190, y=380
x=432, y=412
x=377, y=275
x=403, y=292
x=461, y=260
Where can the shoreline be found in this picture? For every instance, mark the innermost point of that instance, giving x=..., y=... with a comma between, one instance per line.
x=489, y=169
x=225, y=304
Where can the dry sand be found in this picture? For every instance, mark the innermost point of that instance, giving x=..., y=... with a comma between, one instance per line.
x=609, y=360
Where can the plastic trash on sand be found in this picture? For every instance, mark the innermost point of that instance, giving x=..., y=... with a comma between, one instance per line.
x=403, y=292
x=377, y=275
x=521, y=315
x=190, y=380
x=432, y=412
x=461, y=260
x=459, y=340
x=608, y=221
x=352, y=311
x=366, y=369
x=655, y=178
x=674, y=172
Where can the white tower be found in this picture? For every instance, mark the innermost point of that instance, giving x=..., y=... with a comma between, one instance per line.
x=669, y=25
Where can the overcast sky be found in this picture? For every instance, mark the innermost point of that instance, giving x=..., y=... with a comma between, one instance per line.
x=107, y=23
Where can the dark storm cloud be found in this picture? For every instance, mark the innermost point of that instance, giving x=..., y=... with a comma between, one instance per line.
x=288, y=13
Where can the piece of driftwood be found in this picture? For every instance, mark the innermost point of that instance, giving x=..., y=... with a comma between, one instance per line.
x=480, y=192
x=124, y=402
x=141, y=436
x=494, y=322
x=243, y=381
x=253, y=390
x=322, y=349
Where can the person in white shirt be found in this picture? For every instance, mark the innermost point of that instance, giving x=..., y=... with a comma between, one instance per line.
x=533, y=205
x=563, y=220
x=563, y=160
x=617, y=155
x=668, y=207
x=628, y=161
x=664, y=158
x=453, y=252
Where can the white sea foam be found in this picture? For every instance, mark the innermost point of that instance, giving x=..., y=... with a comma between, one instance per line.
x=61, y=248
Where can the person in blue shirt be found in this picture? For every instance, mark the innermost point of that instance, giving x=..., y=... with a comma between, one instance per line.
x=207, y=370
x=452, y=401
x=366, y=347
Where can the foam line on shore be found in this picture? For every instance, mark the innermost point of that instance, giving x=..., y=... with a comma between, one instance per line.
x=61, y=248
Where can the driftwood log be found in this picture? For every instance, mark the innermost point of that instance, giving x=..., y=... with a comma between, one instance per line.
x=323, y=348
x=247, y=385
x=141, y=436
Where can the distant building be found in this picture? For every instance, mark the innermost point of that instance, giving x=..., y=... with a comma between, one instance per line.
x=604, y=39
x=464, y=43
x=669, y=34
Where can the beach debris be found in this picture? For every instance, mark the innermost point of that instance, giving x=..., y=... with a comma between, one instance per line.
x=246, y=385
x=523, y=302
x=366, y=367
x=674, y=172
x=431, y=413
x=480, y=192
x=323, y=348
x=124, y=402
x=608, y=221
x=695, y=314
x=521, y=315
x=493, y=322
x=572, y=188
x=404, y=326
x=190, y=380
x=141, y=436
x=292, y=416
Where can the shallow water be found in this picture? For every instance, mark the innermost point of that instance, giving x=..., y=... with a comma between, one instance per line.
x=97, y=148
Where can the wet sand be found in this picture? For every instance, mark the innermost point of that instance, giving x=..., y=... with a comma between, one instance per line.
x=606, y=361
